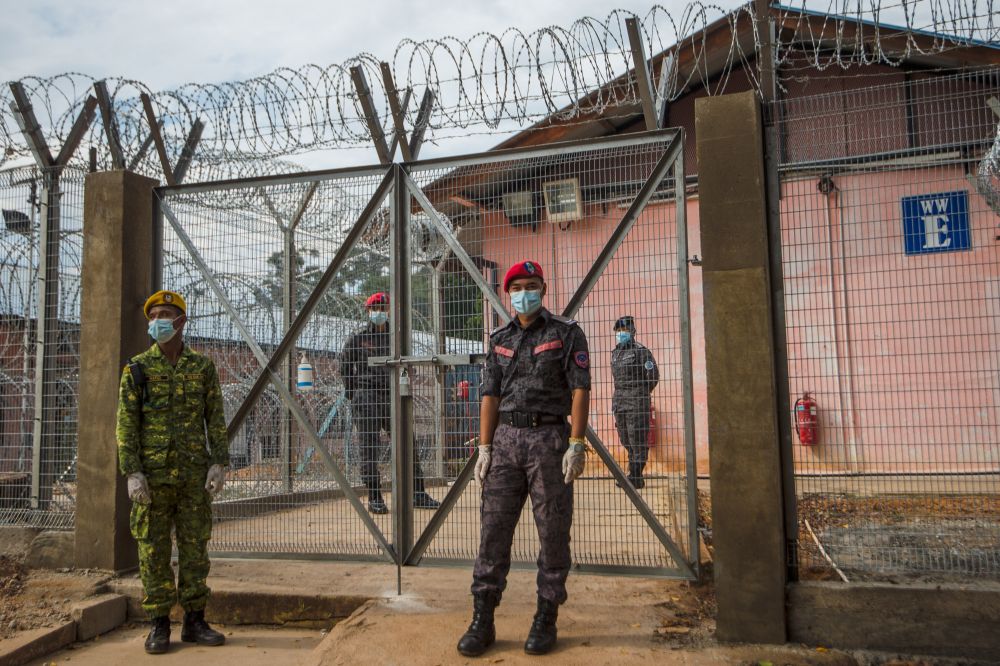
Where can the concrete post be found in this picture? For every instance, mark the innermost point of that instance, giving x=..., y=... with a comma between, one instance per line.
x=744, y=448
x=117, y=278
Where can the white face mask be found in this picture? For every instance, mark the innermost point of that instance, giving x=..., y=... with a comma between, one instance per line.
x=162, y=330
x=378, y=317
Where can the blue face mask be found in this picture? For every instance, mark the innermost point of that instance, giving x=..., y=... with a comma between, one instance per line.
x=378, y=318
x=623, y=336
x=161, y=330
x=526, y=302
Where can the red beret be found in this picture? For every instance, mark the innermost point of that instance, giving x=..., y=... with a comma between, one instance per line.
x=522, y=269
x=378, y=298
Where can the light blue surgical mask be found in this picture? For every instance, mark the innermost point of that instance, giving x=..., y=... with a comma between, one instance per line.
x=162, y=330
x=377, y=317
x=526, y=301
x=623, y=336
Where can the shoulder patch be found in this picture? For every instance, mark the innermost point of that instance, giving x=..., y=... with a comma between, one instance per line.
x=582, y=359
x=648, y=365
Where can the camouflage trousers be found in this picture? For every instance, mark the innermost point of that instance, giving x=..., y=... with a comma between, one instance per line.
x=186, y=509
x=526, y=462
x=633, y=432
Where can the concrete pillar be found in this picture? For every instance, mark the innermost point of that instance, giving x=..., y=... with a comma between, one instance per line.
x=744, y=449
x=117, y=278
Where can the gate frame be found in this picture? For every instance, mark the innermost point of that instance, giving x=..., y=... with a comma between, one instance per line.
x=407, y=549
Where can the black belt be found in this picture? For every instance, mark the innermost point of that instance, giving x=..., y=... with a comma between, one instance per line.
x=530, y=419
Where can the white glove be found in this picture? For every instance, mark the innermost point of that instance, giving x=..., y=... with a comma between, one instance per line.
x=216, y=479
x=138, y=488
x=573, y=462
x=483, y=462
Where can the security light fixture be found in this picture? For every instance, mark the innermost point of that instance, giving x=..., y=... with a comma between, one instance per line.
x=563, y=202
x=519, y=207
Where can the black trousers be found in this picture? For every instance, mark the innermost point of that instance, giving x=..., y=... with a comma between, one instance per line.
x=371, y=417
x=633, y=431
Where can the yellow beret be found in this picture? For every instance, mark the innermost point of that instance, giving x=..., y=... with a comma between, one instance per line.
x=164, y=297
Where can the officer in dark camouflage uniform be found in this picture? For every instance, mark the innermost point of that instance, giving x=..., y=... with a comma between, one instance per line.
x=367, y=388
x=169, y=399
x=635, y=375
x=537, y=373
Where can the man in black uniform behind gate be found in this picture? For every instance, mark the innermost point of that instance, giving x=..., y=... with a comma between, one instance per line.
x=537, y=372
x=635, y=375
x=368, y=390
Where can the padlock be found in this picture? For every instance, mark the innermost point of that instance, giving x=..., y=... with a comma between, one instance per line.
x=404, y=383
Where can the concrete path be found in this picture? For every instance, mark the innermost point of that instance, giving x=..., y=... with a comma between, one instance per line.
x=608, y=620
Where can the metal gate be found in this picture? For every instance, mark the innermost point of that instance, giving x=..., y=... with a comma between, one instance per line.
x=276, y=271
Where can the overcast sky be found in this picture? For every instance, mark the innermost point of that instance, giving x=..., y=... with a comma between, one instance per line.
x=165, y=44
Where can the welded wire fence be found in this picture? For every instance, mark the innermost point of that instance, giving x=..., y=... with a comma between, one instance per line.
x=891, y=261
x=561, y=209
x=254, y=261
x=39, y=348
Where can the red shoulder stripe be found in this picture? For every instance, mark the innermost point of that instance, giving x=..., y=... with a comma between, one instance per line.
x=546, y=346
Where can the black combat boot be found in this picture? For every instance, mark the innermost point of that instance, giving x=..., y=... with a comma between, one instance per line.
x=376, y=504
x=482, y=632
x=542, y=635
x=158, y=640
x=421, y=500
x=635, y=475
x=196, y=630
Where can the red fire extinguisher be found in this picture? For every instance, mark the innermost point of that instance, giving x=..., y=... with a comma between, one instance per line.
x=651, y=435
x=806, y=419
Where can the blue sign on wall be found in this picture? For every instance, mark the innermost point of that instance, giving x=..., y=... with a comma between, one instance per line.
x=936, y=223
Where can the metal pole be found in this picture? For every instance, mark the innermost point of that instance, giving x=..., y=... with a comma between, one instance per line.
x=772, y=157
x=288, y=368
x=46, y=336
x=440, y=374
x=402, y=336
x=687, y=373
x=765, y=54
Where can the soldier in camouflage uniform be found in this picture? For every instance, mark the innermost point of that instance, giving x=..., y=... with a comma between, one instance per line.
x=635, y=375
x=537, y=373
x=367, y=388
x=169, y=399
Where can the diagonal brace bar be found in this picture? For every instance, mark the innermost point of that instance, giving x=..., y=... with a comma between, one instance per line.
x=631, y=215
x=457, y=248
x=276, y=381
x=110, y=127
x=26, y=120
x=371, y=115
x=154, y=131
x=307, y=309
x=397, y=111
x=647, y=514
x=79, y=128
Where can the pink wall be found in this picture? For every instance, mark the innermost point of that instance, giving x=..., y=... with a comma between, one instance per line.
x=642, y=281
x=901, y=351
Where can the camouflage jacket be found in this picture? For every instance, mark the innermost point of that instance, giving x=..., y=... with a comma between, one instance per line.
x=164, y=428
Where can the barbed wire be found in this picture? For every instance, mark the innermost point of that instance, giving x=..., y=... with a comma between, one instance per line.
x=484, y=81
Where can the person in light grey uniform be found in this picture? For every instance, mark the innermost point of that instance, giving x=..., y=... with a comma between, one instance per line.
x=635, y=375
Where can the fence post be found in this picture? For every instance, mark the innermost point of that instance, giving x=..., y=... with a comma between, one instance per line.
x=744, y=442
x=117, y=277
